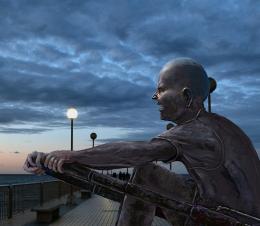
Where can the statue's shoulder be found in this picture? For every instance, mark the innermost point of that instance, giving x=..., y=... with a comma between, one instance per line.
x=219, y=121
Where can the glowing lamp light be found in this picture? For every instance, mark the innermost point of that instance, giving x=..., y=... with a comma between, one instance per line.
x=72, y=113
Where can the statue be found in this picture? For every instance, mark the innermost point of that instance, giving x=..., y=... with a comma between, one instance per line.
x=218, y=155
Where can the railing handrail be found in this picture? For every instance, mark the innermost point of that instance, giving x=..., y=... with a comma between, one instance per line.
x=21, y=196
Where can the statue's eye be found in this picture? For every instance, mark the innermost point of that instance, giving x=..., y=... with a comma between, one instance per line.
x=160, y=89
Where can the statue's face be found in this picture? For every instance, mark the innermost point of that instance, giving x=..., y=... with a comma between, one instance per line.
x=169, y=97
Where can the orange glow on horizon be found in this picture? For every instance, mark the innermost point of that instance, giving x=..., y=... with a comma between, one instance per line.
x=12, y=162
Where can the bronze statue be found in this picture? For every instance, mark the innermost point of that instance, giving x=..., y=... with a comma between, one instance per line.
x=218, y=155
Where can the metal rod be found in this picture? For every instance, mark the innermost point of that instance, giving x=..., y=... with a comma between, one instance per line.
x=59, y=192
x=71, y=133
x=41, y=194
x=81, y=176
x=70, y=198
x=10, y=200
x=209, y=103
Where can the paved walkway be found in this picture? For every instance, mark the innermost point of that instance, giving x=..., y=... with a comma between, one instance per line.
x=97, y=211
x=28, y=218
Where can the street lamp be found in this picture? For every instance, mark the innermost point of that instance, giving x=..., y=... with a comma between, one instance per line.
x=93, y=136
x=169, y=126
x=72, y=114
x=213, y=86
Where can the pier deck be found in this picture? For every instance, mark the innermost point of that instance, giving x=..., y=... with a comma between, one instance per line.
x=97, y=211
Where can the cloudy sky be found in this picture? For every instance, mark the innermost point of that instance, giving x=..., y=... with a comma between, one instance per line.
x=103, y=57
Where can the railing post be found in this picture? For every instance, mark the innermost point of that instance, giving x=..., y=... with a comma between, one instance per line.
x=10, y=201
x=59, y=191
x=41, y=194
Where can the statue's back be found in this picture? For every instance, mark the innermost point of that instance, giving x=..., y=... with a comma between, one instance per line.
x=241, y=164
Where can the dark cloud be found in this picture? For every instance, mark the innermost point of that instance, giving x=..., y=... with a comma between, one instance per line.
x=141, y=135
x=82, y=89
x=103, y=57
x=22, y=114
x=22, y=130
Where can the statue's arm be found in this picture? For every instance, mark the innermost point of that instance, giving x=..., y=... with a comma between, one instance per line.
x=106, y=156
x=125, y=154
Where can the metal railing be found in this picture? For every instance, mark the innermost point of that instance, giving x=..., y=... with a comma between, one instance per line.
x=17, y=198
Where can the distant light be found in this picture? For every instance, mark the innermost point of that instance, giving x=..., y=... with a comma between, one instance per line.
x=72, y=113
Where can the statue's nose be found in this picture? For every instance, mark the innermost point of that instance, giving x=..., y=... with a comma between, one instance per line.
x=154, y=97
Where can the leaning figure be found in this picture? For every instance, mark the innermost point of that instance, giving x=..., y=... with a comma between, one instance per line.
x=218, y=155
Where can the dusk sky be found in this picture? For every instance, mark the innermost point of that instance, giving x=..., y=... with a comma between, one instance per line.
x=103, y=58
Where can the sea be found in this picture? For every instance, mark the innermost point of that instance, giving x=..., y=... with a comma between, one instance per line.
x=10, y=179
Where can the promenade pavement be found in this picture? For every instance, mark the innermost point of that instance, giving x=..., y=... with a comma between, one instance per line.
x=96, y=211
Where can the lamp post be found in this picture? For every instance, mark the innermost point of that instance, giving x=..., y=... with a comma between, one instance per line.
x=213, y=86
x=93, y=136
x=169, y=126
x=72, y=114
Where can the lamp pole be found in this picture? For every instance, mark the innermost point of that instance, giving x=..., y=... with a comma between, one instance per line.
x=93, y=136
x=213, y=86
x=71, y=134
x=169, y=126
x=72, y=114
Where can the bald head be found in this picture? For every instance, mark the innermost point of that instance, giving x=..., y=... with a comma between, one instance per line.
x=185, y=72
x=182, y=87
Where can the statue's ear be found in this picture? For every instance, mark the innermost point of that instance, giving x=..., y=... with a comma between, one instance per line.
x=187, y=94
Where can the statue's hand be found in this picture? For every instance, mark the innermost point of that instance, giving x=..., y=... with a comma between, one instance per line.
x=56, y=159
x=33, y=163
